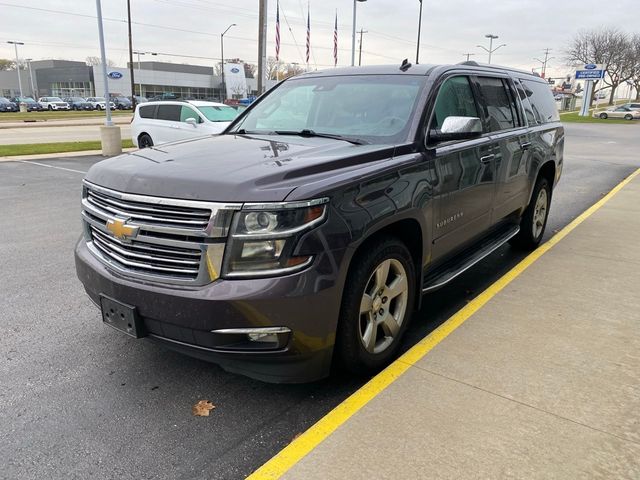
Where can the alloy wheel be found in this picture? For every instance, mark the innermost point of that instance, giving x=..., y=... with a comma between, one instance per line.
x=383, y=306
x=540, y=213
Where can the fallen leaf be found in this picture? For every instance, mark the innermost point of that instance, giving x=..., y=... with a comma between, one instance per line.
x=201, y=409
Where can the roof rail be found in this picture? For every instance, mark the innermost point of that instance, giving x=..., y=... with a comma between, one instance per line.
x=471, y=63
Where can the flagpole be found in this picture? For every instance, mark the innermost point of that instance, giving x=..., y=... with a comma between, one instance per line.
x=278, y=41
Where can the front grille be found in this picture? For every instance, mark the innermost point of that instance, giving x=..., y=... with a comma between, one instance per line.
x=172, y=240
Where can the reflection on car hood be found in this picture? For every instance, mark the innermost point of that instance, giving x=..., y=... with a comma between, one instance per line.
x=234, y=168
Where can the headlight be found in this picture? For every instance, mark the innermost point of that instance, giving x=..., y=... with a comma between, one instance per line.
x=263, y=238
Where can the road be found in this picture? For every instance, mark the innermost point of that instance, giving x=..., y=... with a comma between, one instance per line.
x=83, y=401
x=75, y=133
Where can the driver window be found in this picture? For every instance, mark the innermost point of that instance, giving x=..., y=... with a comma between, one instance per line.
x=455, y=99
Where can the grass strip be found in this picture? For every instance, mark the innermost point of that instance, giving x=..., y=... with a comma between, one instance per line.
x=57, y=147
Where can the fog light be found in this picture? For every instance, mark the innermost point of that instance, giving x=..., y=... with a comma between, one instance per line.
x=261, y=337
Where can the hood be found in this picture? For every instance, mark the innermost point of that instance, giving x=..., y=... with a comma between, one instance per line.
x=234, y=168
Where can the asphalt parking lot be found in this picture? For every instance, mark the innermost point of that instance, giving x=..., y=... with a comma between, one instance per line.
x=83, y=401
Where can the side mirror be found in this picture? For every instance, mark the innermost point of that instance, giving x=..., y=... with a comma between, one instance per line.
x=457, y=128
x=191, y=121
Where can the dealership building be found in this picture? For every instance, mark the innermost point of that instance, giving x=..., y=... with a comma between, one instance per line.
x=64, y=78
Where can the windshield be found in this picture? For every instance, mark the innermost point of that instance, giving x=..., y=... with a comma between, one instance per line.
x=3, y=100
x=218, y=114
x=55, y=99
x=78, y=99
x=98, y=99
x=376, y=108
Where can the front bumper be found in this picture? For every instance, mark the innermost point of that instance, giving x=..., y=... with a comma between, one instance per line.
x=183, y=318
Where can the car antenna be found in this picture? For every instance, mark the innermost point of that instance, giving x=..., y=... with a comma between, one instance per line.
x=405, y=65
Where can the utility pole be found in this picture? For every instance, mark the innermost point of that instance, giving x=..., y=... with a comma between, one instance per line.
x=133, y=91
x=15, y=44
x=360, y=53
x=468, y=55
x=262, y=46
x=353, y=33
x=544, y=62
x=419, y=29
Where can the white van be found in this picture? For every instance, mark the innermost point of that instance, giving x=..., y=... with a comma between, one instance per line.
x=167, y=121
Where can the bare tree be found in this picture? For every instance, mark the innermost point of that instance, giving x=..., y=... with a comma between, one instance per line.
x=291, y=69
x=93, y=61
x=635, y=65
x=274, y=68
x=609, y=47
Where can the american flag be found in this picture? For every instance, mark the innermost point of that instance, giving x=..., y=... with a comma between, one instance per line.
x=335, y=42
x=308, y=34
x=277, y=31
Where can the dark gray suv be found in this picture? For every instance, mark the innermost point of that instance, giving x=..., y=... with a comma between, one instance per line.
x=306, y=233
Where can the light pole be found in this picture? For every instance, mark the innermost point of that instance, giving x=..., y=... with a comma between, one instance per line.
x=224, y=87
x=353, y=34
x=15, y=44
x=132, y=80
x=419, y=29
x=33, y=88
x=490, y=50
x=140, y=70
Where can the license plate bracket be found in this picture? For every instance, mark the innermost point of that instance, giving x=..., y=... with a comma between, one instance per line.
x=121, y=316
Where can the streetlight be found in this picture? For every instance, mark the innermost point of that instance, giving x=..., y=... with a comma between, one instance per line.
x=224, y=87
x=490, y=50
x=15, y=44
x=33, y=88
x=419, y=28
x=353, y=34
x=140, y=69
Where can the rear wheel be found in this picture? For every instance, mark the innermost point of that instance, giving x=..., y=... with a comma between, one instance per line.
x=145, y=141
x=377, y=304
x=604, y=116
x=628, y=116
x=534, y=220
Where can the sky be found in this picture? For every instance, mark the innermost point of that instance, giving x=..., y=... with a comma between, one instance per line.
x=188, y=31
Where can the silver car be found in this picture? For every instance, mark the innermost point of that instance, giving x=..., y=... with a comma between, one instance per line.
x=618, y=112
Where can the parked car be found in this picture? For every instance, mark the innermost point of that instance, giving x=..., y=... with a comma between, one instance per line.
x=53, y=103
x=140, y=99
x=165, y=96
x=601, y=95
x=155, y=123
x=99, y=103
x=8, y=106
x=618, y=112
x=122, y=103
x=79, y=103
x=308, y=231
x=632, y=106
x=30, y=103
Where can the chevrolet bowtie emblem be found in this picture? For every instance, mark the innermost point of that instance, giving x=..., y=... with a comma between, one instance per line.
x=121, y=230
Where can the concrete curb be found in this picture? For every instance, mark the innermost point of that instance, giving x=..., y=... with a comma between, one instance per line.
x=44, y=156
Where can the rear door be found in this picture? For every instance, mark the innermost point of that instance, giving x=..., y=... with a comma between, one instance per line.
x=510, y=143
x=465, y=183
x=166, y=127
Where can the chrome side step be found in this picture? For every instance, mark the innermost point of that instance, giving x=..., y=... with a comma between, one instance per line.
x=467, y=259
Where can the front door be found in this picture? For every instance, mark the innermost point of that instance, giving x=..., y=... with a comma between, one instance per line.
x=465, y=170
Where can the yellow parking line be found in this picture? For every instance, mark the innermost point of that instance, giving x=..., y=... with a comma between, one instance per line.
x=305, y=443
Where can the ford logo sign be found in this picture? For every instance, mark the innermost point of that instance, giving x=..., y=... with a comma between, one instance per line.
x=114, y=75
x=235, y=70
x=591, y=66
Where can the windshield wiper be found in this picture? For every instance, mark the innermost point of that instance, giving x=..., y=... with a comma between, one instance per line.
x=310, y=133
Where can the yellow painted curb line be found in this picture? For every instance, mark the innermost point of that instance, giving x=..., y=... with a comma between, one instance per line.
x=305, y=443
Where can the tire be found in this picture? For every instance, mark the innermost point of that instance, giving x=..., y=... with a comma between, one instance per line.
x=50, y=108
x=534, y=219
x=367, y=341
x=145, y=141
x=628, y=117
x=604, y=116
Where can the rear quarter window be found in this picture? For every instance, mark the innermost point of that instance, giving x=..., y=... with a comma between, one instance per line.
x=542, y=101
x=146, y=111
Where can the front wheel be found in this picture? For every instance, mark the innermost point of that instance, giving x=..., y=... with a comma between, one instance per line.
x=534, y=220
x=604, y=116
x=628, y=117
x=377, y=304
x=50, y=108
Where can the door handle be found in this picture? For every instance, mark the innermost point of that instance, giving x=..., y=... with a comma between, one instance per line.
x=525, y=145
x=487, y=158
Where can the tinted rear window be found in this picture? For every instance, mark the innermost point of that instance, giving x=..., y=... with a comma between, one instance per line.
x=500, y=110
x=147, y=111
x=542, y=101
x=169, y=112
